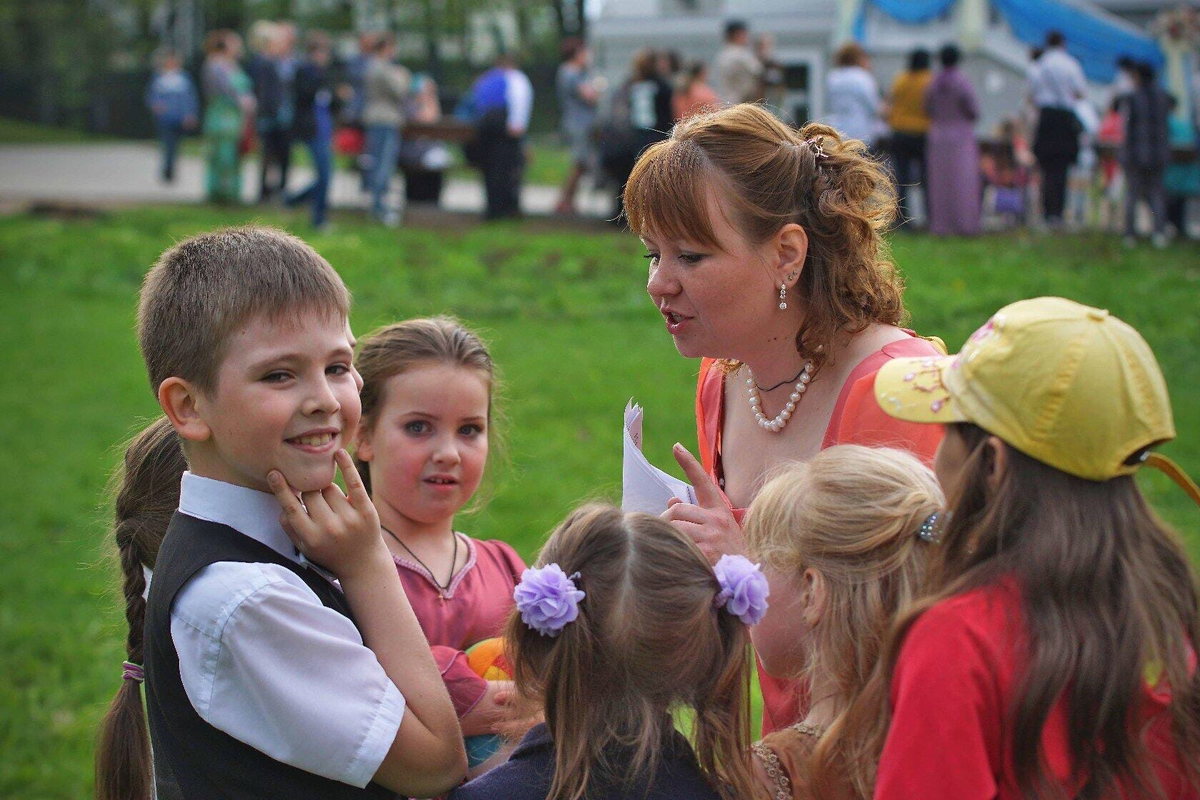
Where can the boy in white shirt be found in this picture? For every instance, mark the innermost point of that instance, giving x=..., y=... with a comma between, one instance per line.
x=264, y=677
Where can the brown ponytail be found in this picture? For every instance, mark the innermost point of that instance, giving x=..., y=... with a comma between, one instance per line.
x=147, y=496
x=647, y=642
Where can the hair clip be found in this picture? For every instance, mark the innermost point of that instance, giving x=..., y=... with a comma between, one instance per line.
x=818, y=150
x=928, y=532
x=744, y=589
x=547, y=599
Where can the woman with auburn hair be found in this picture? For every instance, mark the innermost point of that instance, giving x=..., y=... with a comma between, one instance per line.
x=767, y=260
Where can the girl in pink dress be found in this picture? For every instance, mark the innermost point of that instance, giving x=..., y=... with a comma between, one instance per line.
x=422, y=448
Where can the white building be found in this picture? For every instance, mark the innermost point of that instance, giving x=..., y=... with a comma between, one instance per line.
x=806, y=32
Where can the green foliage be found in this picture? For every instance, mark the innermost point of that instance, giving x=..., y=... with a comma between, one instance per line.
x=573, y=334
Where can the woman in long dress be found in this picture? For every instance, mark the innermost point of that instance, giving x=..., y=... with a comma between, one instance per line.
x=952, y=152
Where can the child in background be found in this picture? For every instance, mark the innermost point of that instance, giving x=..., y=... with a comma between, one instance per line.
x=264, y=676
x=1110, y=137
x=1055, y=654
x=171, y=98
x=422, y=449
x=622, y=623
x=146, y=499
x=1006, y=178
x=844, y=538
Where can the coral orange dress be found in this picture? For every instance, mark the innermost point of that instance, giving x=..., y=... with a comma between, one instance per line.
x=857, y=419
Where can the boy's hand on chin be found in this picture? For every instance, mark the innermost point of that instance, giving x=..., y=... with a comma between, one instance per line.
x=338, y=531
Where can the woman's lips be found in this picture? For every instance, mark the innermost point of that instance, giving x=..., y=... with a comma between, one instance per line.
x=675, y=322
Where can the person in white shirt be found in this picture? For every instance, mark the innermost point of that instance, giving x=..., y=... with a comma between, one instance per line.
x=277, y=662
x=1056, y=84
x=738, y=71
x=853, y=96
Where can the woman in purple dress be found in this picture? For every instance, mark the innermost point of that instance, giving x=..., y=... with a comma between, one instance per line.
x=952, y=153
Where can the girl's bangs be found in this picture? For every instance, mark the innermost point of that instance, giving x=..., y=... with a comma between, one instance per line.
x=667, y=192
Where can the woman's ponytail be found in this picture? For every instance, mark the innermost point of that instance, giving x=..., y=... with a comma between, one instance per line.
x=147, y=496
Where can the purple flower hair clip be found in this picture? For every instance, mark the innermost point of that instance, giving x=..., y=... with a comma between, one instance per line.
x=547, y=599
x=744, y=588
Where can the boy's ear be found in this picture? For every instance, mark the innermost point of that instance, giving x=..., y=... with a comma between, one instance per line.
x=179, y=399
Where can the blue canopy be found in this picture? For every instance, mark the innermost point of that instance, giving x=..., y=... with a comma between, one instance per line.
x=1095, y=41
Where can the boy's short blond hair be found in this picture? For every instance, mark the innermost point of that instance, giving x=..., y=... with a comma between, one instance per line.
x=204, y=288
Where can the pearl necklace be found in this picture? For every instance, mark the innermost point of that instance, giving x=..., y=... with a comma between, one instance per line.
x=780, y=421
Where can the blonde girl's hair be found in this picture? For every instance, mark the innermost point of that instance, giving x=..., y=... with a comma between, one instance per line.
x=767, y=175
x=397, y=348
x=648, y=642
x=852, y=514
x=147, y=494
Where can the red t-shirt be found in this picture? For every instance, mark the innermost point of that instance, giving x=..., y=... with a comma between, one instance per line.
x=952, y=688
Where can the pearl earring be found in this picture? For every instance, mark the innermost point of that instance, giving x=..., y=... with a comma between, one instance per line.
x=782, y=296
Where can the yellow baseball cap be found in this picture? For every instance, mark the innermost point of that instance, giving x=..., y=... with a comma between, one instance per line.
x=1067, y=384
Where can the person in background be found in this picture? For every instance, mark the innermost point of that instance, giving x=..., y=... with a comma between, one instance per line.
x=171, y=98
x=772, y=77
x=643, y=103
x=266, y=45
x=312, y=123
x=695, y=96
x=1056, y=83
x=909, y=123
x=229, y=100
x=853, y=94
x=1145, y=154
x=1126, y=80
x=1182, y=181
x=503, y=102
x=355, y=74
x=423, y=160
x=738, y=70
x=577, y=97
x=952, y=152
x=387, y=87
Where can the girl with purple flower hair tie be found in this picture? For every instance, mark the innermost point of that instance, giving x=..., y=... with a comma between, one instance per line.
x=622, y=623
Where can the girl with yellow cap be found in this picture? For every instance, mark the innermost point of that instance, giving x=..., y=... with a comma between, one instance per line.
x=1055, y=656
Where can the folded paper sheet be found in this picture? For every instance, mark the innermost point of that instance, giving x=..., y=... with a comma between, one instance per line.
x=646, y=488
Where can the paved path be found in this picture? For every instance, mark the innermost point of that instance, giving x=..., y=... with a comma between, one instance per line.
x=127, y=172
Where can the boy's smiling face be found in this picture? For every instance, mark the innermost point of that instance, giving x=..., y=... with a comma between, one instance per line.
x=286, y=398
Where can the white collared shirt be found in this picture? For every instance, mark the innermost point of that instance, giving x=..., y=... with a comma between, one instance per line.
x=264, y=661
x=518, y=95
x=1056, y=80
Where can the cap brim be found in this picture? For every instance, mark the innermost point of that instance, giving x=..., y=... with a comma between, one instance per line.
x=914, y=390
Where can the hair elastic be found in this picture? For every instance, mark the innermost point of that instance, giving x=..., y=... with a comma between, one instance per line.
x=744, y=589
x=133, y=672
x=548, y=599
x=928, y=532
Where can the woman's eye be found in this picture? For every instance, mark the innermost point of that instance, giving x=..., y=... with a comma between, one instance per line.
x=416, y=426
x=652, y=258
x=691, y=258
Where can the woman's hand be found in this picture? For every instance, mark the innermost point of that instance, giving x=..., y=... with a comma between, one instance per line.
x=710, y=524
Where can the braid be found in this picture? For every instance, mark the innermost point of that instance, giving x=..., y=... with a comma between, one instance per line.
x=147, y=496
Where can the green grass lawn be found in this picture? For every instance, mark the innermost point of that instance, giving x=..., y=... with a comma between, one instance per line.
x=572, y=331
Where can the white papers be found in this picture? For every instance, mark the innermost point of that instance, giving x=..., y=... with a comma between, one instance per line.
x=644, y=487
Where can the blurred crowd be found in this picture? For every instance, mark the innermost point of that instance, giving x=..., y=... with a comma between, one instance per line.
x=1058, y=161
